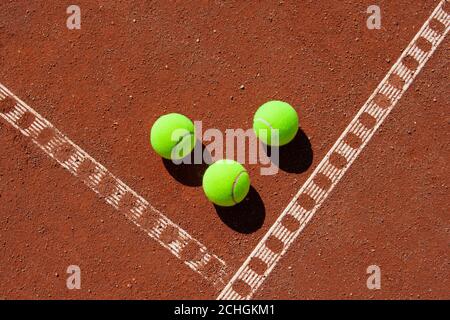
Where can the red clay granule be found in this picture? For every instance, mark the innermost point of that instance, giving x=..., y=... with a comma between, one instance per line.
x=7, y=105
x=274, y=244
x=437, y=26
x=127, y=202
x=396, y=81
x=257, y=265
x=353, y=140
x=107, y=185
x=169, y=234
x=423, y=44
x=446, y=7
x=191, y=252
x=410, y=63
x=290, y=223
x=338, y=160
x=86, y=169
x=212, y=269
x=367, y=120
x=45, y=136
x=242, y=288
x=64, y=152
x=306, y=202
x=26, y=120
x=148, y=220
x=322, y=181
x=382, y=100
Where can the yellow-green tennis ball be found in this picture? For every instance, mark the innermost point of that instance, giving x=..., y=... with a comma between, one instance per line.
x=173, y=136
x=226, y=183
x=277, y=115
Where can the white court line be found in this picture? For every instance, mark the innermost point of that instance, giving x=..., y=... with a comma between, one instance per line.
x=138, y=210
x=246, y=281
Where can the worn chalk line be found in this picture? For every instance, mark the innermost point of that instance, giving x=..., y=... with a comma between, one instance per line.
x=113, y=190
x=275, y=243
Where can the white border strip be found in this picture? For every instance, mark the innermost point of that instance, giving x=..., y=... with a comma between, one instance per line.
x=135, y=208
x=246, y=278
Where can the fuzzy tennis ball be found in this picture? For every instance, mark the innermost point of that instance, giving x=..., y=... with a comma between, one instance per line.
x=277, y=115
x=173, y=136
x=226, y=183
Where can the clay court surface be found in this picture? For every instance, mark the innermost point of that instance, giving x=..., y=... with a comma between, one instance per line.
x=103, y=86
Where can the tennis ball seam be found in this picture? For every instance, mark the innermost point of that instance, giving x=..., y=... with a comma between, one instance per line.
x=264, y=121
x=234, y=185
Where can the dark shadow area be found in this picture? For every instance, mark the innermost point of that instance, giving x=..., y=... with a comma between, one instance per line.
x=189, y=174
x=296, y=156
x=245, y=217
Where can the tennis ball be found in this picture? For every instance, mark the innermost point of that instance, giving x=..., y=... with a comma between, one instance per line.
x=276, y=115
x=173, y=136
x=226, y=183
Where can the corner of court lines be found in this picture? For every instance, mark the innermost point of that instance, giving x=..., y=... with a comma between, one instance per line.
x=112, y=190
x=287, y=228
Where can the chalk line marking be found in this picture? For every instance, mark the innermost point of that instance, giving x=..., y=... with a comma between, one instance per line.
x=338, y=160
x=113, y=190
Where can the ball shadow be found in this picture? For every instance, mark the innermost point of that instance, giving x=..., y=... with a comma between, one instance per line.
x=245, y=217
x=188, y=172
x=295, y=157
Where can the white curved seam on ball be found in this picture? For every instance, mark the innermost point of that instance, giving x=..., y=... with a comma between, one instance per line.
x=234, y=185
x=264, y=121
